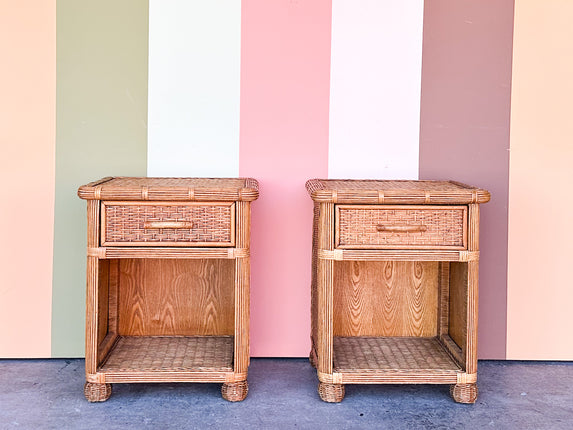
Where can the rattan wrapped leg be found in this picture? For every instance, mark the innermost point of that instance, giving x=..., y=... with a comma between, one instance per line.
x=331, y=393
x=235, y=391
x=464, y=393
x=97, y=392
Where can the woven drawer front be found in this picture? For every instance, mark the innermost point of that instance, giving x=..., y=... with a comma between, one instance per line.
x=168, y=224
x=401, y=227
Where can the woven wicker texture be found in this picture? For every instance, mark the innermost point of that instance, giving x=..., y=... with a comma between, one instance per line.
x=235, y=391
x=97, y=392
x=171, y=189
x=125, y=223
x=340, y=184
x=397, y=192
x=441, y=227
x=360, y=354
x=464, y=393
x=164, y=353
x=331, y=393
x=176, y=182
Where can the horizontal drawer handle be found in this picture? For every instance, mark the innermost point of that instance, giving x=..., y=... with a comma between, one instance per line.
x=167, y=224
x=401, y=228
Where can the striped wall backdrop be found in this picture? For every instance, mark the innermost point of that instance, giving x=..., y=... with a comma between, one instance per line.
x=283, y=91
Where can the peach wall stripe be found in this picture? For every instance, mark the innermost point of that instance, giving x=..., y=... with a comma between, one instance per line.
x=27, y=149
x=540, y=284
x=375, y=79
x=285, y=65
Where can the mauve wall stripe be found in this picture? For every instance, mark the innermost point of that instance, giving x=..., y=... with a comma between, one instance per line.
x=464, y=131
x=285, y=69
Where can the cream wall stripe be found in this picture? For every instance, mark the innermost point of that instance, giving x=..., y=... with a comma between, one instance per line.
x=27, y=150
x=540, y=289
x=194, y=87
x=375, y=88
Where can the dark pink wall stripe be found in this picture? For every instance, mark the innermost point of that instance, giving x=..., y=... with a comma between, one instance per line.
x=285, y=71
x=464, y=133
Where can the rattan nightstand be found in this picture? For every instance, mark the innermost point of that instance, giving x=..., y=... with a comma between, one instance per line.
x=168, y=282
x=395, y=284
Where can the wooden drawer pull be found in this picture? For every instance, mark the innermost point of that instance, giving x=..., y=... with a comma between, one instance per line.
x=167, y=224
x=401, y=228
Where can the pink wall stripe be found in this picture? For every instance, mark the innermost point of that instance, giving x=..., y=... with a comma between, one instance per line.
x=285, y=69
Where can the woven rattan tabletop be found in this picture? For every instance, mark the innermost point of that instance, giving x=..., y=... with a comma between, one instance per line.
x=178, y=189
x=394, y=192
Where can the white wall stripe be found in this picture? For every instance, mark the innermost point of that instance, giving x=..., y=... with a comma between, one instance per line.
x=194, y=87
x=375, y=88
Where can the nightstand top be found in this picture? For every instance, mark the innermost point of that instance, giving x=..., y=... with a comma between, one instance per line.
x=394, y=192
x=171, y=189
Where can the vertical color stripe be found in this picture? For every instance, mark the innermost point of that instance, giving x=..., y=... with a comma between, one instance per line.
x=540, y=292
x=375, y=88
x=466, y=82
x=284, y=141
x=194, y=83
x=101, y=131
x=27, y=147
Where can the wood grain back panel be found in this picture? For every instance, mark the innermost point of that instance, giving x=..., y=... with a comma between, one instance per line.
x=176, y=297
x=103, y=300
x=385, y=298
x=458, y=303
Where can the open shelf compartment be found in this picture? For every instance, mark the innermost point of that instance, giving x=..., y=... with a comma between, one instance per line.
x=399, y=321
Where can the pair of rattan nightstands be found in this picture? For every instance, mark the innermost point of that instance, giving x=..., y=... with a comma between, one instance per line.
x=394, y=283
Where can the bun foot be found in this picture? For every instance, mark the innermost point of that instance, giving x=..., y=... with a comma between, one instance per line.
x=331, y=393
x=464, y=393
x=235, y=391
x=97, y=392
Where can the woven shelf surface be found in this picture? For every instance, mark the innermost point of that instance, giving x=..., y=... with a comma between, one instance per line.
x=169, y=189
x=379, y=354
x=394, y=191
x=171, y=353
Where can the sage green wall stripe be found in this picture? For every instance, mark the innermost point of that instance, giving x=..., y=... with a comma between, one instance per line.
x=101, y=130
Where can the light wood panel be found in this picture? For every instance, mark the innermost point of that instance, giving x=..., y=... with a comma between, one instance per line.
x=103, y=300
x=113, y=295
x=458, y=303
x=443, y=298
x=176, y=297
x=387, y=298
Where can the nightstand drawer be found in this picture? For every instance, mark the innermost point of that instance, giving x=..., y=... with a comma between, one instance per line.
x=167, y=224
x=397, y=227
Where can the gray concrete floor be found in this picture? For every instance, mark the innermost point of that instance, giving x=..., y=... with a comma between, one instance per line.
x=48, y=394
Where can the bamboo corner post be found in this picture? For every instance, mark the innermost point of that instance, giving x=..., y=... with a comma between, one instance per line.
x=394, y=285
x=168, y=278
